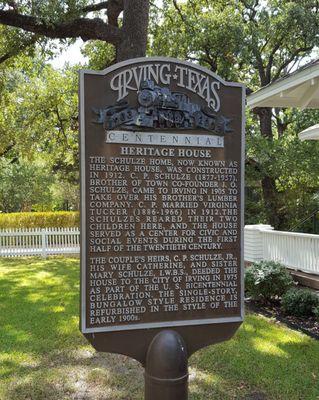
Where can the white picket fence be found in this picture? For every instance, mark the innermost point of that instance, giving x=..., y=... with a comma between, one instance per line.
x=35, y=242
x=299, y=251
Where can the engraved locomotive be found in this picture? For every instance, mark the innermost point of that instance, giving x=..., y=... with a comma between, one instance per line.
x=159, y=108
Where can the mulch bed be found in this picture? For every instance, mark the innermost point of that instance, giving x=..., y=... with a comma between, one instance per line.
x=308, y=325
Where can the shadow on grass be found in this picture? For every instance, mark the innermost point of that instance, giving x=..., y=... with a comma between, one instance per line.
x=263, y=361
x=44, y=356
x=101, y=376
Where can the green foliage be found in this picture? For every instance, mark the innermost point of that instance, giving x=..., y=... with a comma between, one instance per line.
x=13, y=72
x=22, y=185
x=39, y=137
x=252, y=42
x=51, y=11
x=267, y=280
x=208, y=32
x=40, y=117
x=13, y=41
x=52, y=119
x=248, y=41
x=236, y=39
x=300, y=302
x=316, y=313
x=100, y=54
x=58, y=219
x=65, y=196
x=292, y=164
x=271, y=44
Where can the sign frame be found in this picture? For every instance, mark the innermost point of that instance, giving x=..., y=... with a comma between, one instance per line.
x=83, y=240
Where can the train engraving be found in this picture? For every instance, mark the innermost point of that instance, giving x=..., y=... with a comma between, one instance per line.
x=160, y=109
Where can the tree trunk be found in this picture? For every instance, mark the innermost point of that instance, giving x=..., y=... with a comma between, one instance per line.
x=270, y=200
x=264, y=114
x=134, y=31
x=268, y=183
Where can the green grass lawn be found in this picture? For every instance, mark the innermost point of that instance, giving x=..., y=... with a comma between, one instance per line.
x=43, y=356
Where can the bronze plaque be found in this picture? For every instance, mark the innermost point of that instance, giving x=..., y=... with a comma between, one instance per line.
x=162, y=144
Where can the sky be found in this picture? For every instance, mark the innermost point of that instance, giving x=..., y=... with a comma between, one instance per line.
x=71, y=55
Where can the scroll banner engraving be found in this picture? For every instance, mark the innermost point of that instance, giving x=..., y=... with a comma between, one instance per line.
x=164, y=138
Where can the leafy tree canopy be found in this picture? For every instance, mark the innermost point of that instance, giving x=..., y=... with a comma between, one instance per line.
x=40, y=114
x=23, y=185
x=249, y=40
x=253, y=41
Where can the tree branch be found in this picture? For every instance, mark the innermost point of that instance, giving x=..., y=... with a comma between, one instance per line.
x=183, y=17
x=79, y=27
x=96, y=7
x=18, y=49
x=290, y=59
x=179, y=12
x=260, y=67
x=13, y=5
x=153, y=4
x=252, y=8
x=61, y=121
x=5, y=57
x=255, y=164
x=7, y=149
x=114, y=9
x=271, y=59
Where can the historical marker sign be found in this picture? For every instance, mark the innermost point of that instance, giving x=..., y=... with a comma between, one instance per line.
x=162, y=204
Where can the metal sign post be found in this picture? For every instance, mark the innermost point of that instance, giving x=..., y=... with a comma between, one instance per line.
x=166, y=370
x=162, y=166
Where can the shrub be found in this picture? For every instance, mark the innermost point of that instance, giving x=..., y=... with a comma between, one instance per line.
x=300, y=302
x=316, y=313
x=267, y=280
x=59, y=219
